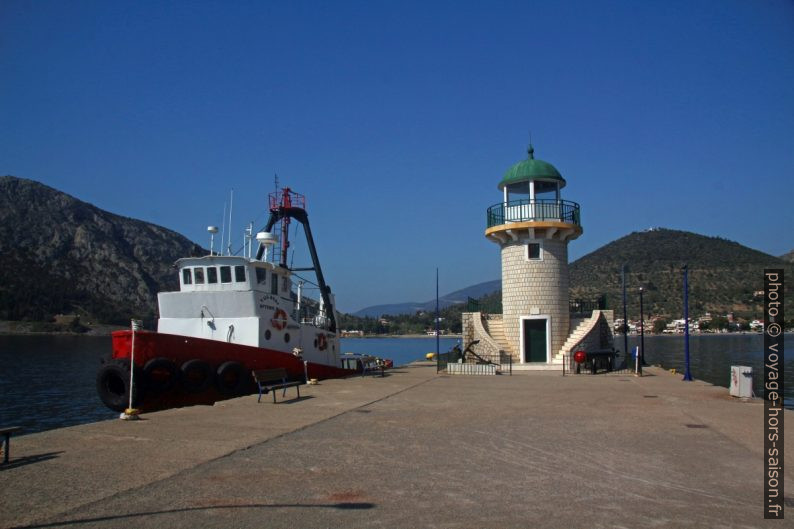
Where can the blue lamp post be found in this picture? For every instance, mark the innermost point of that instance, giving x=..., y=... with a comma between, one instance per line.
x=641, y=359
x=687, y=374
x=438, y=343
x=625, y=316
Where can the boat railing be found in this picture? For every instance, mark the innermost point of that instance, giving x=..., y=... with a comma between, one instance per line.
x=311, y=315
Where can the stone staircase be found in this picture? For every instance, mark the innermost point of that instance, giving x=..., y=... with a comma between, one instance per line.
x=578, y=334
x=495, y=328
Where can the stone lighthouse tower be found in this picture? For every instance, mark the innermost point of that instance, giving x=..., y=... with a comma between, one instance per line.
x=532, y=225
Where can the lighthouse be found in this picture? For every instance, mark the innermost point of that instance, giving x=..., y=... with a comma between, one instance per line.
x=533, y=224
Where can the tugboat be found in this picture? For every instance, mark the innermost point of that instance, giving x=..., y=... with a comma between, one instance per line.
x=232, y=314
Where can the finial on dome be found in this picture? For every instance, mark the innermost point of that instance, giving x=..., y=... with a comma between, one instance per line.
x=531, y=149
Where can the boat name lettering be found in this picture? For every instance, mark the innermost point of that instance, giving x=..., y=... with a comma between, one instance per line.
x=264, y=299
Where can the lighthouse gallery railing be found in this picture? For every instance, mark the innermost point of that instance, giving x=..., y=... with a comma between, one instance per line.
x=533, y=210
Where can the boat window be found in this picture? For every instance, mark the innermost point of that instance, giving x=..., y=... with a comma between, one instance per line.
x=284, y=284
x=261, y=275
x=199, y=274
x=239, y=274
x=226, y=274
x=187, y=277
x=274, y=284
x=212, y=274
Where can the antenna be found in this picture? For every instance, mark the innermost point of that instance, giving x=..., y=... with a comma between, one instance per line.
x=231, y=204
x=249, y=234
x=223, y=226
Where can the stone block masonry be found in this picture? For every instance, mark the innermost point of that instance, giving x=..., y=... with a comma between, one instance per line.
x=536, y=288
x=473, y=330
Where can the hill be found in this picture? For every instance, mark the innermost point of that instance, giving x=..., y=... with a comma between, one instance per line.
x=59, y=254
x=459, y=296
x=788, y=256
x=724, y=276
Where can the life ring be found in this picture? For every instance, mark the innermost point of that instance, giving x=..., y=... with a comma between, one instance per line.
x=279, y=319
x=196, y=376
x=113, y=385
x=161, y=375
x=231, y=380
x=322, y=342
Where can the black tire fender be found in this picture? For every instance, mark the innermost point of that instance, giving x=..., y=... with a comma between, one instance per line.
x=196, y=376
x=113, y=385
x=231, y=379
x=161, y=375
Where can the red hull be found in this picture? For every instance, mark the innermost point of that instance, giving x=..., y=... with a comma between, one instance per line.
x=180, y=349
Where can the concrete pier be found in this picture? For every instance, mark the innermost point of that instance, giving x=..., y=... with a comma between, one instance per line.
x=412, y=449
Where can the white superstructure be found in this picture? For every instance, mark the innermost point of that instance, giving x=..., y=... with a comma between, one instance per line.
x=249, y=302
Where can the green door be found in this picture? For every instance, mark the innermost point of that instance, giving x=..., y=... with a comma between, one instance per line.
x=535, y=340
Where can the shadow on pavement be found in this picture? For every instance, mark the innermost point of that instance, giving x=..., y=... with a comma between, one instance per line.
x=29, y=460
x=340, y=506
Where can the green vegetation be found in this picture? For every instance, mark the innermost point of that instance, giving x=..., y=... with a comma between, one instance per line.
x=73, y=326
x=724, y=276
x=421, y=321
x=417, y=323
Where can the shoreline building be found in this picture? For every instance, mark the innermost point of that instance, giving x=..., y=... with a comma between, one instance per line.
x=532, y=226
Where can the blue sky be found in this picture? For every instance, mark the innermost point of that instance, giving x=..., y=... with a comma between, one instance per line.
x=398, y=119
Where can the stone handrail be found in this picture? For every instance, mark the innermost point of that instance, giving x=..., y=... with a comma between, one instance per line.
x=487, y=344
x=593, y=322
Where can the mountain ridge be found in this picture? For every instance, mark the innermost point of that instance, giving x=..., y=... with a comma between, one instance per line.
x=459, y=296
x=60, y=254
x=723, y=275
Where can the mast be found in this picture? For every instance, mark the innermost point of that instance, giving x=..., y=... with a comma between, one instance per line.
x=290, y=205
x=286, y=202
x=231, y=205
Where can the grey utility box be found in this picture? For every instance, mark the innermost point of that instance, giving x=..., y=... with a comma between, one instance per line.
x=742, y=381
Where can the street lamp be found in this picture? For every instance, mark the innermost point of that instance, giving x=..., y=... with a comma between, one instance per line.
x=687, y=374
x=642, y=332
x=625, y=316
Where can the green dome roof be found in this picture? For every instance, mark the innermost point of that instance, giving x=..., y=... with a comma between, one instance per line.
x=531, y=169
